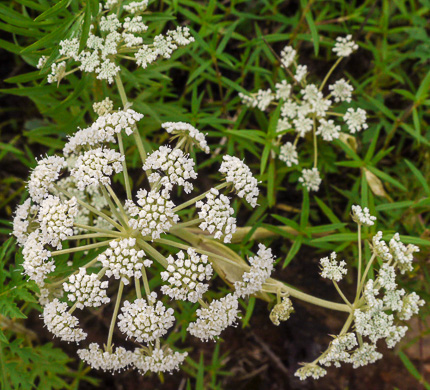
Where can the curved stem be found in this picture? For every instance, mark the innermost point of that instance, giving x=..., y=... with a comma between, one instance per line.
x=92, y=228
x=341, y=293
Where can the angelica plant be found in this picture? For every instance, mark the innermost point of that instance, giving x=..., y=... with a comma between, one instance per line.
x=306, y=114
x=85, y=201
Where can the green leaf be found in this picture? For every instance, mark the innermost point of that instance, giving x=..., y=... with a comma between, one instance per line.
x=314, y=32
x=54, y=10
x=86, y=26
x=293, y=250
x=419, y=176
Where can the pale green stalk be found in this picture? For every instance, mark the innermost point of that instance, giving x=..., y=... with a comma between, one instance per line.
x=114, y=315
x=81, y=248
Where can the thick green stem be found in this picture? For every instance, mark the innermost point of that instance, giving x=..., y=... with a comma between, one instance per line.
x=119, y=204
x=315, y=143
x=137, y=286
x=114, y=315
x=152, y=252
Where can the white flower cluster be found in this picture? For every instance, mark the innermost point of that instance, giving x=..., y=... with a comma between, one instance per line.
x=362, y=216
x=311, y=179
x=217, y=215
x=261, y=269
x=186, y=276
x=402, y=255
x=155, y=215
x=288, y=154
x=160, y=360
x=182, y=129
x=332, y=269
x=344, y=46
x=37, y=260
x=103, y=130
x=86, y=289
x=305, y=109
x=116, y=39
x=25, y=214
x=163, y=46
x=56, y=219
x=339, y=350
x=124, y=260
x=310, y=371
x=104, y=360
x=239, y=174
x=46, y=172
x=174, y=164
x=212, y=320
x=94, y=167
x=144, y=322
x=61, y=323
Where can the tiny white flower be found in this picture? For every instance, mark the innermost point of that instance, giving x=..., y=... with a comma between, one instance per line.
x=362, y=216
x=341, y=90
x=288, y=154
x=332, y=269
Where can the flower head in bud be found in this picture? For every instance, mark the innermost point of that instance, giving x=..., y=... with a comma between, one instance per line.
x=281, y=311
x=311, y=179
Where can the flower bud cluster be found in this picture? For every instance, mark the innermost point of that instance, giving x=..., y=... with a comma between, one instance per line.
x=190, y=133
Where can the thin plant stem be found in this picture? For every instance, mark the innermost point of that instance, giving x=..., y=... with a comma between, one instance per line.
x=90, y=208
x=92, y=228
x=118, y=203
x=330, y=72
x=81, y=248
x=114, y=315
x=186, y=224
x=360, y=260
x=315, y=143
x=90, y=235
x=124, y=167
x=111, y=205
x=197, y=198
x=341, y=293
x=152, y=252
x=366, y=271
x=146, y=284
